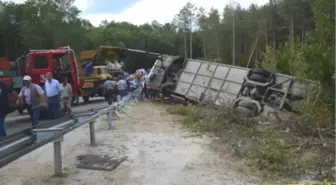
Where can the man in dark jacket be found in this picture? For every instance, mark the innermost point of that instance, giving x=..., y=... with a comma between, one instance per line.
x=4, y=90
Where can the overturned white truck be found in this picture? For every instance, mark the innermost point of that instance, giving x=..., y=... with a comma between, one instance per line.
x=250, y=91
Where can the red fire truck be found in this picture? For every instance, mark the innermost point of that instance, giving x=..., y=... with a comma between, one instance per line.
x=61, y=62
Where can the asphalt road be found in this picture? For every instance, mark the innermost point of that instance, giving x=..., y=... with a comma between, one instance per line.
x=16, y=122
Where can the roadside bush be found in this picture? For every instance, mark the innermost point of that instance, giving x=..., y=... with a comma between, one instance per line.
x=273, y=150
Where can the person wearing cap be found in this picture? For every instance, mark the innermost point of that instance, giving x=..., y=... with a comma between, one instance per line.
x=33, y=97
x=52, y=89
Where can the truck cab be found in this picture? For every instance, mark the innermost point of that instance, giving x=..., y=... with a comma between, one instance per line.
x=61, y=62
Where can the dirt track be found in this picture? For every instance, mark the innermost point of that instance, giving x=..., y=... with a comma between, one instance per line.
x=159, y=153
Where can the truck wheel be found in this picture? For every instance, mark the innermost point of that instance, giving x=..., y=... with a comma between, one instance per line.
x=262, y=72
x=260, y=75
x=246, y=108
x=248, y=105
x=86, y=99
x=244, y=111
x=258, y=78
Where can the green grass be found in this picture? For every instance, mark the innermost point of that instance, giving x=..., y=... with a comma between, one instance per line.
x=275, y=155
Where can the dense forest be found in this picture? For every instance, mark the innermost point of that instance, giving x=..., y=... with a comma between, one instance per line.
x=290, y=36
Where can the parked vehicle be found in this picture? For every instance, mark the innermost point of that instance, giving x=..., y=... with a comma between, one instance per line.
x=6, y=77
x=93, y=84
x=61, y=62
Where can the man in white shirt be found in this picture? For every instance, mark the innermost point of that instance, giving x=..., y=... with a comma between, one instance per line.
x=110, y=88
x=122, y=87
x=52, y=89
x=33, y=97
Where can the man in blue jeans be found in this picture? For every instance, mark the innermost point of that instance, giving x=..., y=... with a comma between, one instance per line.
x=52, y=90
x=122, y=87
x=4, y=91
x=33, y=96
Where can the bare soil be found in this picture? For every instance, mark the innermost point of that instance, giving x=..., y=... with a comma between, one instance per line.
x=159, y=152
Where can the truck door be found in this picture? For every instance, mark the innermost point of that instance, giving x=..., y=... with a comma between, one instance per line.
x=41, y=63
x=74, y=73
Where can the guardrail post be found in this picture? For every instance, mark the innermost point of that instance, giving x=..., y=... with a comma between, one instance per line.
x=109, y=120
x=92, y=134
x=58, y=156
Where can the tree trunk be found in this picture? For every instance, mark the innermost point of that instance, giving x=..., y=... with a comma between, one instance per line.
x=274, y=40
x=291, y=31
x=204, y=47
x=191, y=44
x=266, y=37
x=303, y=34
x=217, y=47
x=185, y=44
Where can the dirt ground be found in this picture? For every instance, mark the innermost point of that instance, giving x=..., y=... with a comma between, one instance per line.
x=159, y=152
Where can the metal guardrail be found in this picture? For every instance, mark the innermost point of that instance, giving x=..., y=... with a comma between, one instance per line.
x=22, y=143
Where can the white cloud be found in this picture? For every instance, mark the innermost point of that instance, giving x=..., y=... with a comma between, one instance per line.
x=84, y=5
x=145, y=11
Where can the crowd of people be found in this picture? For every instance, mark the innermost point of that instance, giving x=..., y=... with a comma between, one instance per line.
x=56, y=95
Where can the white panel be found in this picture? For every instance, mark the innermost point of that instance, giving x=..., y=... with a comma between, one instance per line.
x=221, y=72
x=210, y=94
x=192, y=66
x=187, y=77
x=202, y=80
x=182, y=88
x=207, y=69
x=236, y=75
x=196, y=91
x=282, y=80
x=216, y=84
x=231, y=87
x=224, y=98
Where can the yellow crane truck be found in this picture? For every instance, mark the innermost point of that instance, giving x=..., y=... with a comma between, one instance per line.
x=93, y=84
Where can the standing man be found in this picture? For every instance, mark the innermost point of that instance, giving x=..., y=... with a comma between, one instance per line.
x=34, y=97
x=52, y=88
x=66, y=96
x=88, y=69
x=122, y=87
x=109, y=88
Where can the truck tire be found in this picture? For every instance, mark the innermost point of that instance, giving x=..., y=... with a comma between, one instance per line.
x=246, y=108
x=260, y=75
x=244, y=111
x=262, y=72
x=258, y=78
x=86, y=99
x=247, y=105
